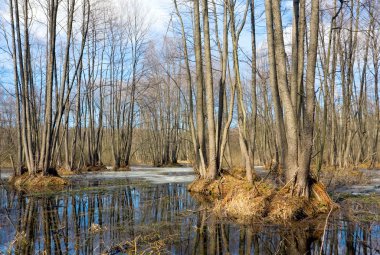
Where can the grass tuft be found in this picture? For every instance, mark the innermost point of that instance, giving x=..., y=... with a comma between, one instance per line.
x=233, y=197
x=37, y=182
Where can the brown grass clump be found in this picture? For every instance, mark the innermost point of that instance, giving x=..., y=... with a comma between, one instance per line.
x=237, y=172
x=244, y=206
x=285, y=206
x=123, y=168
x=96, y=228
x=37, y=182
x=220, y=187
x=185, y=162
x=205, y=187
x=65, y=172
x=170, y=164
x=367, y=165
x=148, y=240
x=236, y=198
x=336, y=177
x=96, y=168
x=288, y=207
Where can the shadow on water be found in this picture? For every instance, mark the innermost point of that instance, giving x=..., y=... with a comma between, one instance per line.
x=152, y=219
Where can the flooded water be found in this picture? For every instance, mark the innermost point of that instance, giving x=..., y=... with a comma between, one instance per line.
x=149, y=211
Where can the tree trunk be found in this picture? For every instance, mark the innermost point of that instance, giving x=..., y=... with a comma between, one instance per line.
x=199, y=95
x=212, y=164
x=17, y=93
x=280, y=127
x=302, y=181
x=253, y=81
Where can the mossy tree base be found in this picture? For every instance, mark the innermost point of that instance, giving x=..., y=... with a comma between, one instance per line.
x=233, y=197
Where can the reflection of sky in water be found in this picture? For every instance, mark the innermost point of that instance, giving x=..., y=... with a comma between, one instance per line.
x=150, y=200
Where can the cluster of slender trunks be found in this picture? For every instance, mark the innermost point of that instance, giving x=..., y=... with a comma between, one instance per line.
x=103, y=91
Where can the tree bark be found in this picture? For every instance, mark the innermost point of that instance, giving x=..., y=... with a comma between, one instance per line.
x=302, y=182
x=199, y=95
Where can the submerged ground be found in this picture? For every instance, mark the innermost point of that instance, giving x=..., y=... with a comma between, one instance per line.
x=149, y=210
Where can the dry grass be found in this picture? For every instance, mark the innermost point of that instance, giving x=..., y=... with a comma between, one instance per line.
x=243, y=206
x=234, y=197
x=185, y=162
x=94, y=168
x=285, y=206
x=220, y=187
x=205, y=187
x=37, y=182
x=19, y=240
x=123, y=168
x=149, y=241
x=96, y=228
x=367, y=165
x=66, y=172
x=335, y=177
x=364, y=208
x=288, y=207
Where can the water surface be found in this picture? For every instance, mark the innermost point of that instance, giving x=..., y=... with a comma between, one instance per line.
x=149, y=209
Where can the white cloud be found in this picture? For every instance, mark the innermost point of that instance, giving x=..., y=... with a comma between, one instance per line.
x=156, y=11
x=159, y=13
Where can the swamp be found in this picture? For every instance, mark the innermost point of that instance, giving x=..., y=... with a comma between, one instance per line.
x=149, y=211
x=189, y=127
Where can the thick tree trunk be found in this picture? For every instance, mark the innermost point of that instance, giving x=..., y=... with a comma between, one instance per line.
x=46, y=145
x=199, y=94
x=302, y=182
x=291, y=122
x=212, y=164
x=298, y=166
x=273, y=81
x=223, y=52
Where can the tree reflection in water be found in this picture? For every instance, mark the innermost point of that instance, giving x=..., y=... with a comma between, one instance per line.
x=158, y=219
